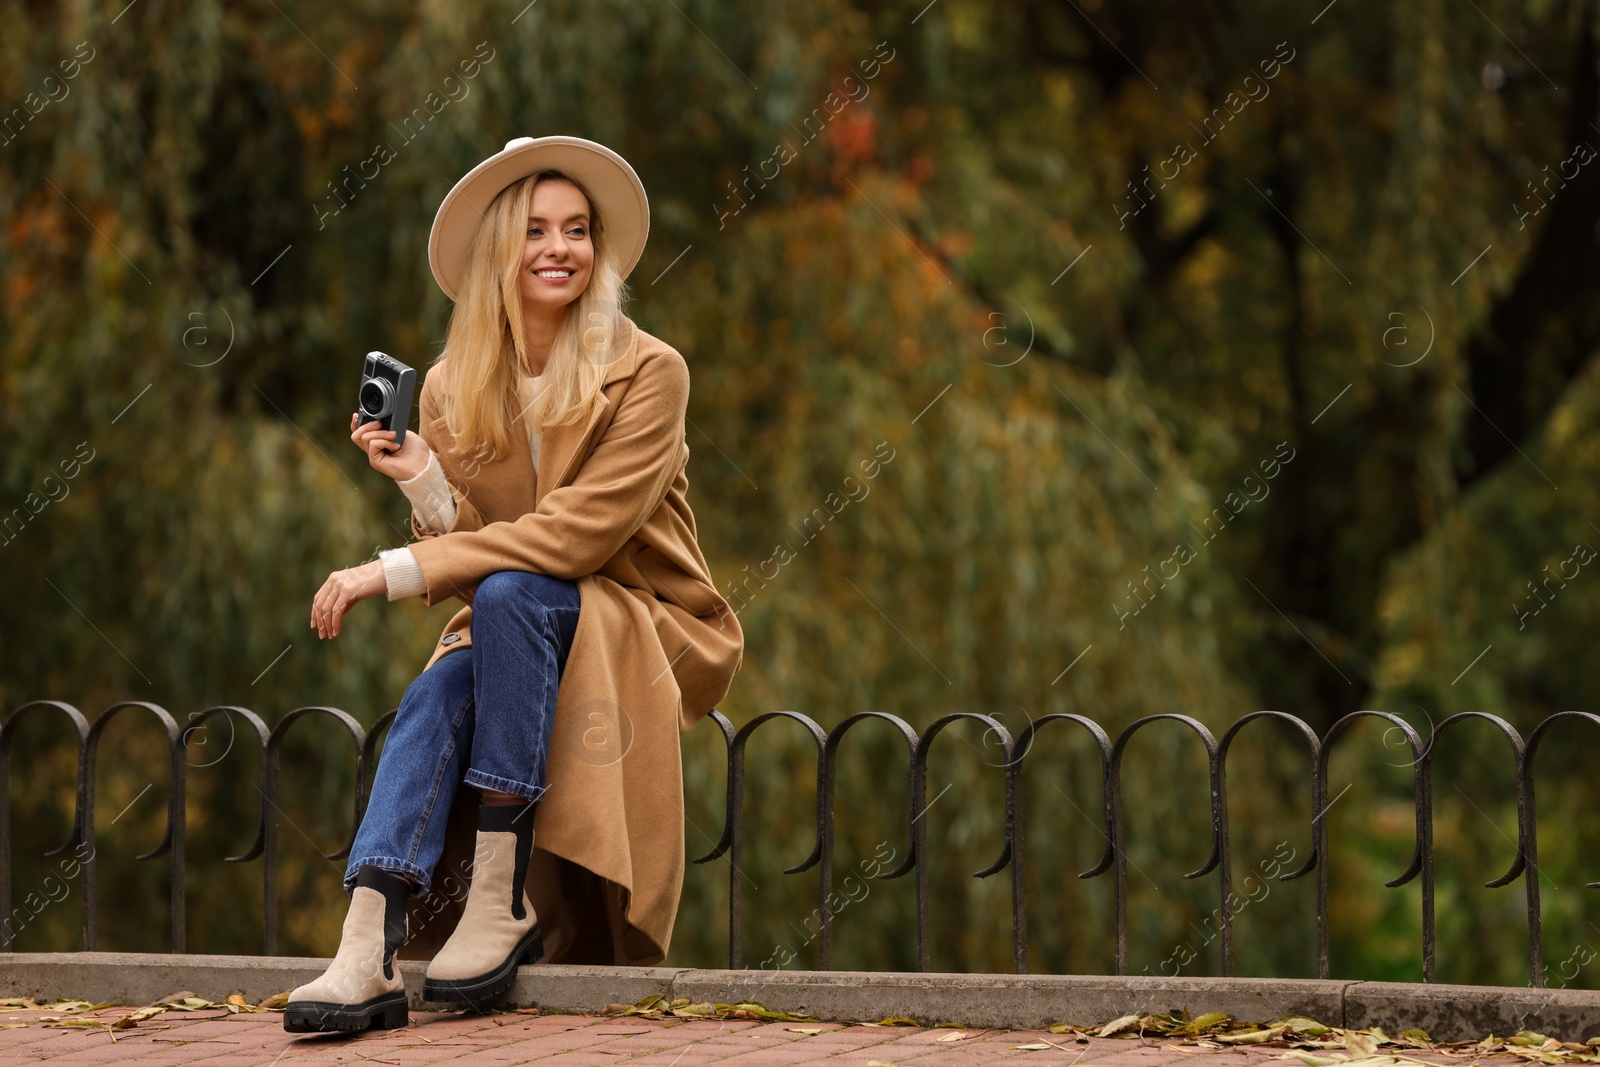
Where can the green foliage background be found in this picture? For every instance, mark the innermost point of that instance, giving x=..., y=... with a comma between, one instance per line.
x=951, y=266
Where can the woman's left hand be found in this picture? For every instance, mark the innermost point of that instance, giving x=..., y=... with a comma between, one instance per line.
x=341, y=592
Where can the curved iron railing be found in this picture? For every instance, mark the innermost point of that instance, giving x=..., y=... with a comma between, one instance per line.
x=1011, y=856
x=1114, y=857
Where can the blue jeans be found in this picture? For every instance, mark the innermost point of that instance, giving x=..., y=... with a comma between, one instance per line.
x=490, y=707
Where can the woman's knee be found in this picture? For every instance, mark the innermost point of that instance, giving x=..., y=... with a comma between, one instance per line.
x=515, y=592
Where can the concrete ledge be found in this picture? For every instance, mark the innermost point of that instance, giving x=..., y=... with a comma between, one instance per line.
x=140, y=978
x=1447, y=1013
x=574, y=989
x=1010, y=1001
x=1473, y=1011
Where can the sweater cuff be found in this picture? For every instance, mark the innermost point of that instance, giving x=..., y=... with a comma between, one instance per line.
x=429, y=493
x=402, y=572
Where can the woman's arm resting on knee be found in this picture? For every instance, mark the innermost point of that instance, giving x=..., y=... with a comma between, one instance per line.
x=401, y=573
x=342, y=591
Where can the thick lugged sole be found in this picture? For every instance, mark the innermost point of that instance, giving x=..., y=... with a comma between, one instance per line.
x=491, y=983
x=386, y=1012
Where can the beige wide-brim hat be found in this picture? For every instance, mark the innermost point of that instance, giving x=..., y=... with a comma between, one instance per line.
x=611, y=182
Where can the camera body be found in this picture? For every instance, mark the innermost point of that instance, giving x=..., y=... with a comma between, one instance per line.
x=386, y=388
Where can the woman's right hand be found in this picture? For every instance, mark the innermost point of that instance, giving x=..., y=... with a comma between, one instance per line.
x=403, y=463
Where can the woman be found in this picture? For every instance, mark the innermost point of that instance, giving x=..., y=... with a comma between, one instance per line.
x=549, y=493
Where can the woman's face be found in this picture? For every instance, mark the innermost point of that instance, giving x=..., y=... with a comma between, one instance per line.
x=558, y=255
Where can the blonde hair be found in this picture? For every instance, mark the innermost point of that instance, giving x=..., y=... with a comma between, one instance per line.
x=485, y=354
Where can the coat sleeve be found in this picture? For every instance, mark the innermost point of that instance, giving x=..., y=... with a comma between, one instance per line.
x=578, y=527
x=467, y=515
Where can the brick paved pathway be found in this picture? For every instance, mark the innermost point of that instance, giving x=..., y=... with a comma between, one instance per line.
x=217, y=1039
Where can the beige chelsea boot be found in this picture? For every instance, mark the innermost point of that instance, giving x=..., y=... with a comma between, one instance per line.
x=498, y=928
x=362, y=987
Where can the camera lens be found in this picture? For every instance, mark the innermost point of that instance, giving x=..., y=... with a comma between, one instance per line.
x=377, y=396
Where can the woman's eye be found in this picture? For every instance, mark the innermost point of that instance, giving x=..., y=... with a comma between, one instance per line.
x=578, y=231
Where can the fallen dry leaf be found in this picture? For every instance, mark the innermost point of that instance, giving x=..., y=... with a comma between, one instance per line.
x=1252, y=1037
x=276, y=1002
x=1116, y=1026
x=132, y=1019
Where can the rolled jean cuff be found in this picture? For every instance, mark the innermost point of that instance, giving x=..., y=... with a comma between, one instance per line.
x=419, y=877
x=479, y=780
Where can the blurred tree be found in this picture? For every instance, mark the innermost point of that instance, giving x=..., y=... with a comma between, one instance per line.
x=1307, y=293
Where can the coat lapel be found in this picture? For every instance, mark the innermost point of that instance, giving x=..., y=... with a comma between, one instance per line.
x=496, y=486
x=563, y=447
x=500, y=487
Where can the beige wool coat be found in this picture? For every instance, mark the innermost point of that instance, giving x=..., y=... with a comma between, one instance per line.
x=656, y=648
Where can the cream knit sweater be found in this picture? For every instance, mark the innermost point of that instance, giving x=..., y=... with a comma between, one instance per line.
x=435, y=508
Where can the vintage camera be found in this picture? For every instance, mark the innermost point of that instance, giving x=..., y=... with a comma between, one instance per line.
x=386, y=387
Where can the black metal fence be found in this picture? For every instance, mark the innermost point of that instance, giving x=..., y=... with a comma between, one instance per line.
x=1113, y=859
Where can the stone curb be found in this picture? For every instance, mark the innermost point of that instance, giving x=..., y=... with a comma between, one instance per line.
x=1447, y=1013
